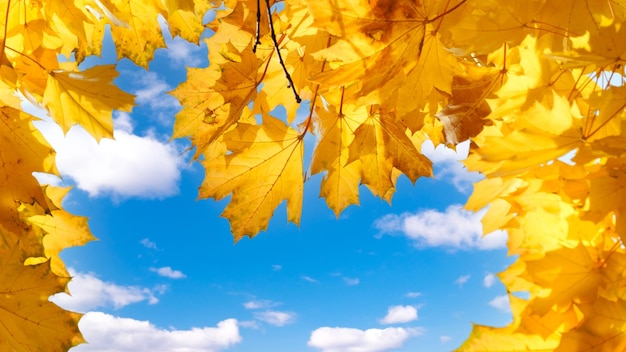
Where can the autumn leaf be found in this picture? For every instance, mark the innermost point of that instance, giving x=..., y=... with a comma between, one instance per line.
x=214, y=99
x=86, y=98
x=263, y=168
x=60, y=229
x=340, y=185
x=23, y=150
x=29, y=321
x=381, y=146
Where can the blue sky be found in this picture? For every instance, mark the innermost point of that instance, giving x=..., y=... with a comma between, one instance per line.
x=165, y=274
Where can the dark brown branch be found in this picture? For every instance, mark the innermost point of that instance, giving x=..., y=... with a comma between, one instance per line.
x=280, y=57
x=257, y=38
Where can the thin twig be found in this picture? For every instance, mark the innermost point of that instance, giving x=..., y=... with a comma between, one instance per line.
x=257, y=39
x=280, y=57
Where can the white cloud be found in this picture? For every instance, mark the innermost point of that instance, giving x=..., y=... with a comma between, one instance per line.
x=454, y=228
x=399, y=314
x=501, y=303
x=276, y=318
x=489, y=280
x=309, y=279
x=152, y=92
x=260, y=304
x=351, y=281
x=445, y=339
x=167, y=271
x=338, y=339
x=107, y=333
x=88, y=292
x=448, y=165
x=413, y=294
x=182, y=52
x=148, y=244
x=276, y=267
x=129, y=166
x=461, y=280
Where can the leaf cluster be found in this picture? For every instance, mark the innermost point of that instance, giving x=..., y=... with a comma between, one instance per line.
x=537, y=87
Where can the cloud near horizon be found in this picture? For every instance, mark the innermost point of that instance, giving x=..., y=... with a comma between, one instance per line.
x=108, y=333
x=340, y=339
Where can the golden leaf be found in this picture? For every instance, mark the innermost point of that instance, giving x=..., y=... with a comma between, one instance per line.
x=23, y=150
x=29, y=321
x=86, y=98
x=264, y=168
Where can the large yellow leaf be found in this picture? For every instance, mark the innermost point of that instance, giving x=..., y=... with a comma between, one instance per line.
x=60, y=228
x=381, y=145
x=340, y=185
x=86, y=98
x=398, y=36
x=509, y=338
x=214, y=98
x=29, y=321
x=264, y=168
x=23, y=150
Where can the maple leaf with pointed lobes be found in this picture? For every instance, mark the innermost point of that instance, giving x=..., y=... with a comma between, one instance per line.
x=382, y=146
x=398, y=37
x=23, y=150
x=86, y=98
x=264, y=168
x=340, y=185
x=60, y=229
x=214, y=98
x=29, y=321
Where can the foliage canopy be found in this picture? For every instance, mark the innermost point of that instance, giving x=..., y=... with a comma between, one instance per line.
x=537, y=86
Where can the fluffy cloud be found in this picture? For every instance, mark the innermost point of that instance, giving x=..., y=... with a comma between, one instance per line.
x=489, y=280
x=276, y=318
x=184, y=53
x=461, y=280
x=89, y=292
x=448, y=165
x=152, y=91
x=453, y=228
x=107, y=333
x=338, y=339
x=399, y=314
x=167, y=271
x=129, y=166
x=501, y=303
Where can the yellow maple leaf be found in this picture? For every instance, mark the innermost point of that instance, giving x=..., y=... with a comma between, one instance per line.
x=60, y=229
x=400, y=37
x=86, y=98
x=601, y=331
x=263, y=168
x=23, y=151
x=569, y=275
x=340, y=185
x=509, y=338
x=382, y=145
x=29, y=321
x=214, y=98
